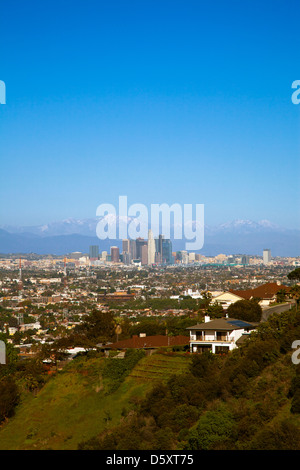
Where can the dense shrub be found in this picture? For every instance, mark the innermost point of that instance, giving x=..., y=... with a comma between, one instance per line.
x=134, y=434
x=295, y=405
x=294, y=392
x=214, y=429
x=204, y=364
x=182, y=416
x=9, y=397
x=284, y=435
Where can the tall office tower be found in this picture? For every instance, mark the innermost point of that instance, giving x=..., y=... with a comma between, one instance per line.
x=245, y=260
x=126, y=246
x=114, y=253
x=157, y=253
x=126, y=258
x=126, y=252
x=159, y=249
x=132, y=246
x=184, y=257
x=94, y=252
x=151, y=248
x=144, y=254
x=160, y=246
x=20, y=275
x=266, y=256
x=140, y=242
x=167, y=251
x=20, y=270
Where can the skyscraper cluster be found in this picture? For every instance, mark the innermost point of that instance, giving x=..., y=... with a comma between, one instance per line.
x=139, y=251
x=151, y=251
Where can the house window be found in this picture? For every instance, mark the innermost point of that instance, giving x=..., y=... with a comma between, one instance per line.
x=222, y=349
x=202, y=349
x=221, y=335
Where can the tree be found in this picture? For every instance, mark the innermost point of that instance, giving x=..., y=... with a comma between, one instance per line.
x=295, y=293
x=295, y=405
x=98, y=326
x=9, y=397
x=215, y=429
x=281, y=296
x=294, y=275
x=149, y=326
x=247, y=310
x=204, y=364
x=215, y=310
x=283, y=435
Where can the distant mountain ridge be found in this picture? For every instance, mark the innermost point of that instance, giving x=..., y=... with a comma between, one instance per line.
x=64, y=227
x=235, y=237
x=88, y=226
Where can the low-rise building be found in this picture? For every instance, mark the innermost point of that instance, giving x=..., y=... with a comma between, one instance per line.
x=143, y=341
x=226, y=299
x=265, y=293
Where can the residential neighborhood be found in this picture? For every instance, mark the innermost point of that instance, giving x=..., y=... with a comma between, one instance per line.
x=43, y=300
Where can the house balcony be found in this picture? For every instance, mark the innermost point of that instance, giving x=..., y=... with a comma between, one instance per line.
x=217, y=338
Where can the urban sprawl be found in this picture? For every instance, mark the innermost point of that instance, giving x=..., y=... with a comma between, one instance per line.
x=44, y=297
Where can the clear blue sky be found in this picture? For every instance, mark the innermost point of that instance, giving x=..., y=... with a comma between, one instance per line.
x=162, y=101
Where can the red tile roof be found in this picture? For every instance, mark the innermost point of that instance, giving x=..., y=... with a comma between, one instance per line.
x=265, y=291
x=157, y=341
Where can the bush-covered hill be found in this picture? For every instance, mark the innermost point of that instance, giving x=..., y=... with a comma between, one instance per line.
x=247, y=400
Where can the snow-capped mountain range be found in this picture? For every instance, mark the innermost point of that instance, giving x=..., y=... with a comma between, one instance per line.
x=87, y=227
x=65, y=236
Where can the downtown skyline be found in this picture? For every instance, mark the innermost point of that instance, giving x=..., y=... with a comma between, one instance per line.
x=239, y=236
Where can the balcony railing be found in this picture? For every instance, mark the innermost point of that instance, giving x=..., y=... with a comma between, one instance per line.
x=210, y=338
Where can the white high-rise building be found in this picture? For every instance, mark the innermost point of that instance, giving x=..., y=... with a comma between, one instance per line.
x=151, y=248
x=266, y=256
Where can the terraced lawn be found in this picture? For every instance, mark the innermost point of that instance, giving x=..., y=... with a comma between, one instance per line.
x=159, y=367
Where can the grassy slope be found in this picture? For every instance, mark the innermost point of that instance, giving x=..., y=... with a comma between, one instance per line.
x=159, y=367
x=73, y=405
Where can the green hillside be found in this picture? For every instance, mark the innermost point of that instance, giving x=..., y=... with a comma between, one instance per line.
x=246, y=400
x=82, y=400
